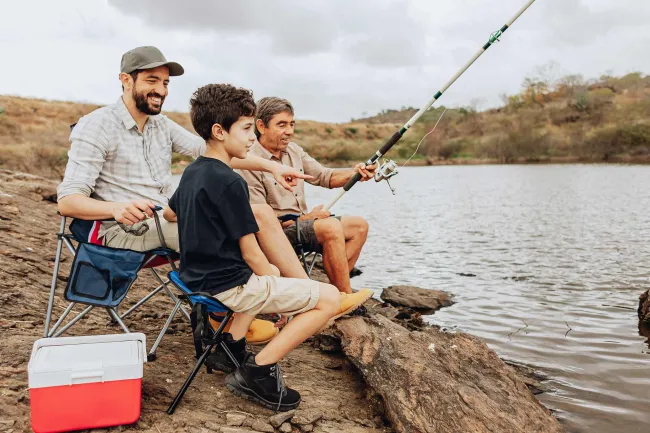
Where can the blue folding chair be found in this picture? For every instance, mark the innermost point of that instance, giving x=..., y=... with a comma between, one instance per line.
x=204, y=341
x=101, y=276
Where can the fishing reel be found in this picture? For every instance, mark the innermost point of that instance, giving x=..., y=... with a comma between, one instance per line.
x=386, y=170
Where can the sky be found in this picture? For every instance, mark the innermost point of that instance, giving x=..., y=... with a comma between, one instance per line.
x=334, y=60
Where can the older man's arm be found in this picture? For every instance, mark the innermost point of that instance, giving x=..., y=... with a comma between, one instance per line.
x=341, y=177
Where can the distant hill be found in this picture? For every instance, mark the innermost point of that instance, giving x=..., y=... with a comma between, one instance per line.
x=572, y=119
x=389, y=116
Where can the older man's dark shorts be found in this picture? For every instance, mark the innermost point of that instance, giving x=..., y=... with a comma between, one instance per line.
x=307, y=236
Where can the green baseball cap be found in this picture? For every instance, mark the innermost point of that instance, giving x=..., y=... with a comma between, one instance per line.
x=148, y=58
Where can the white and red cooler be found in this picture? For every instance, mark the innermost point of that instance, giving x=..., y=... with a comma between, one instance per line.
x=86, y=382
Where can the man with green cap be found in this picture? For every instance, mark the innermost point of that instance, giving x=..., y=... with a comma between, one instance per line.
x=119, y=165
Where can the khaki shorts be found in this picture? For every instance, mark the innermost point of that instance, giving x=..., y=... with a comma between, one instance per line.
x=269, y=294
x=115, y=237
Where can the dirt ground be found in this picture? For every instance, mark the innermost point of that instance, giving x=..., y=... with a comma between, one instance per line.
x=328, y=383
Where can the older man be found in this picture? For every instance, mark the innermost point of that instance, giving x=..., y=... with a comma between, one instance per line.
x=339, y=239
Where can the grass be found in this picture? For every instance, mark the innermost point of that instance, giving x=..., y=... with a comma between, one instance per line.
x=572, y=119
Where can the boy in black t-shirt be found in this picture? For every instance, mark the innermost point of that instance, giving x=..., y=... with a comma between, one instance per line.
x=220, y=254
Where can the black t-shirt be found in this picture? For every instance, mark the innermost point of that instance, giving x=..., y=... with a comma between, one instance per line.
x=213, y=212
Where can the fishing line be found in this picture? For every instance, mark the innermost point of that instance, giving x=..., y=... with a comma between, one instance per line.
x=427, y=134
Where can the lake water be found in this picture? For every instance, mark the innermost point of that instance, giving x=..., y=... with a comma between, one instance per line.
x=560, y=256
x=546, y=265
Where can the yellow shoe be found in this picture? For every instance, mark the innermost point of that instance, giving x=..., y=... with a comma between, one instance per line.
x=349, y=303
x=260, y=331
x=352, y=301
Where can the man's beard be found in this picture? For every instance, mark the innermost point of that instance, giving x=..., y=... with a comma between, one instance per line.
x=142, y=104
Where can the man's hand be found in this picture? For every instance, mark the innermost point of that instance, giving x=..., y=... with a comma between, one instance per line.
x=316, y=213
x=367, y=172
x=288, y=176
x=134, y=212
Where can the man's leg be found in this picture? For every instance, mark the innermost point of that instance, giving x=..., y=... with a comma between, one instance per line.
x=115, y=237
x=355, y=231
x=329, y=233
x=274, y=243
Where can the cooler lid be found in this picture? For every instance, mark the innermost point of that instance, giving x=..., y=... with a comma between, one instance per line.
x=95, y=358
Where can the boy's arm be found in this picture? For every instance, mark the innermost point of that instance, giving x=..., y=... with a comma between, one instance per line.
x=254, y=257
x=169, y=214
x=283, y=174
x=239, y=223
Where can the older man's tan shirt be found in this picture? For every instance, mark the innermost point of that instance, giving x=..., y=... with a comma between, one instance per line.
x=263, y=188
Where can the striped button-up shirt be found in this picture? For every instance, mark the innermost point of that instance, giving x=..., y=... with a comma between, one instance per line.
x=111, y=160
x=263, y=188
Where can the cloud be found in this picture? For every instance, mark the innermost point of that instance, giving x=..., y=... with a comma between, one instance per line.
x=333, y=59
x=381, y=33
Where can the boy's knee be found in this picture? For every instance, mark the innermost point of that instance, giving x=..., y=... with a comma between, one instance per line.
x=330, y=298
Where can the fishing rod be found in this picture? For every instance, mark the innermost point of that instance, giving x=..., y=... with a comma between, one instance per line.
x=389, y=169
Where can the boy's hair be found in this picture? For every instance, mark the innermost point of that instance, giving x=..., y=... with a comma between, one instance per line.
x=269, y=107
x=219, y=103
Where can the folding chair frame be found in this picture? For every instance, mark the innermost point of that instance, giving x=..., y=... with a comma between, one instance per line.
x=215, y=339
x=67, y=238
x=300, y=247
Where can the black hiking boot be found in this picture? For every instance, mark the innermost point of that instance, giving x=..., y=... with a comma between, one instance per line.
x=262, y=384
x=219, y=359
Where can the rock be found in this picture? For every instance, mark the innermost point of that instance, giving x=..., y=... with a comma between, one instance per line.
x=355, y=272
x=212, y=426
x=462, y=382
x=334, y=363
x=415, y=297
x=285, y=428
x=306, y=428
x=306, y=416
x=278, y=419
x=6, y=424
x=644, y=307
x=234, y=430
x=262, y=426
x=386, y=310
x=235, y=419
x=327, y=342
x=12, y=209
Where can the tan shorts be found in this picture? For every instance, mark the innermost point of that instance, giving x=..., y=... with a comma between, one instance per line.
x=115, y=237
x=269, y=294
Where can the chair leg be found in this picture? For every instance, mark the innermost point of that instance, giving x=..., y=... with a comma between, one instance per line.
x=113, y=314
x=311, y=266
x=61, y=319
x=215, y=336
x=73, y=321
x=141, y=301
x=55, y=276
x=152, y=353
x=169, y=292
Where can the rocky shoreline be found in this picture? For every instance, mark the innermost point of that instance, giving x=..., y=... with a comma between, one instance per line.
x=384, y=371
